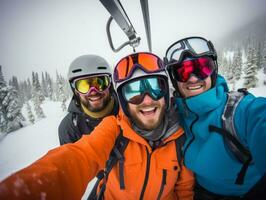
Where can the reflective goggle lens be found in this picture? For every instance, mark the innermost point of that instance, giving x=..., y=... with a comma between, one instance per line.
x=201, y=67
x=196, y=46
x=134, y=92
x=146, y=61
x=100, y=83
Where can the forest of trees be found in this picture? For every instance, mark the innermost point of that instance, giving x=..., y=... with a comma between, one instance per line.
x=243, y=59
x=31, y=93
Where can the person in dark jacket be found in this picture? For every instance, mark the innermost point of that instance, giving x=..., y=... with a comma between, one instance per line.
x=93, y=97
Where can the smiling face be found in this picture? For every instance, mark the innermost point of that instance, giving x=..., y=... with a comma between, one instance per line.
x=194, y=86
x=95, y=101
x=148, y=114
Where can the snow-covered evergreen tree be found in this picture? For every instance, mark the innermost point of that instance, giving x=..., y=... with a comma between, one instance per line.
x=3, y=119
x=30, y=114
x=263, y=60
x=11, y=117
x=230, y=74
x=29, y=89
x=2, y=80
x=49, y=86
x=61, y=91
x=44, y=86
x=223, y=66
x=37, y=96
x=237, y=64
x=14, y=83
x=250, y=79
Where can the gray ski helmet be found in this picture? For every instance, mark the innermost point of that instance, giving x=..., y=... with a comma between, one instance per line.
x=87, y=65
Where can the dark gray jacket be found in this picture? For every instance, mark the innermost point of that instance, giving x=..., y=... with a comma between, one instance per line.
x=76, y=123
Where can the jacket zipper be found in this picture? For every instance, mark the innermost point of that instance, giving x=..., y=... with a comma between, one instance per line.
x=146, y=174
x=190, y=127
x=162, y=184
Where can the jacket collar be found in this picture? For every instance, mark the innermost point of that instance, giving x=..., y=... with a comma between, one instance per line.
x=129, y=133
x=206, y=101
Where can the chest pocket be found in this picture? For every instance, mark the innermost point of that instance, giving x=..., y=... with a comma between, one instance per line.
x=167, y=158
x=168, y=168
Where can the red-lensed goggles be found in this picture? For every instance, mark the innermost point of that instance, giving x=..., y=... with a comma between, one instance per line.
x=148, y=62
x=200, y=67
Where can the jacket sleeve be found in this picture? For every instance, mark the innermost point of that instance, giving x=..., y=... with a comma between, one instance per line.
x=185, y=184
x=64, y=172
x=250, y=122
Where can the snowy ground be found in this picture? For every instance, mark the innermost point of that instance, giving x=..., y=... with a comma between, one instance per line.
x=20, y=148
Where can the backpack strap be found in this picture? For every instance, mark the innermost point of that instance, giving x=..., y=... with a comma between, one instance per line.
x=117, y=154
x=179, y=142
x=231, y=139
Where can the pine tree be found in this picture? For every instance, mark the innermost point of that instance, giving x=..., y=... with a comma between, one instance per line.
x=44, y=86
x=230, y=74
x=250, y=79
x=263, y=60
x=237, y=64
x=61, y=91
x=11, y=117
x=49, y=86
x=14, y=83
x=223, y=66
x=3, y=90
x=257, y=54
x=30, y=115
x=37, y=96
x=29, y=89
x=2, y=80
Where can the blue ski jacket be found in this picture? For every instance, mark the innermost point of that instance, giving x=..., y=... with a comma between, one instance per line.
x=215, y=167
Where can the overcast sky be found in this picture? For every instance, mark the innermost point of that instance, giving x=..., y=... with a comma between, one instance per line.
x=46, y=35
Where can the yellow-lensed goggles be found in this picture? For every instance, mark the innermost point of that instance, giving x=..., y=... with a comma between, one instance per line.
x=85, y=85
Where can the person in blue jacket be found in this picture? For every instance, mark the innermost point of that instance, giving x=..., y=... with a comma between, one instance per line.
x=201, y=96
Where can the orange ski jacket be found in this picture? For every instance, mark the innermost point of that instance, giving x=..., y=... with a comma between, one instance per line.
x=64, y=172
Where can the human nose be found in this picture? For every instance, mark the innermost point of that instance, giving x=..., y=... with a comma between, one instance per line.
x=193, y=78
x=92, y=91
x=147, y=100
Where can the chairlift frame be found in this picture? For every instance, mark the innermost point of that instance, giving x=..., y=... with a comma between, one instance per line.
x=117, y=12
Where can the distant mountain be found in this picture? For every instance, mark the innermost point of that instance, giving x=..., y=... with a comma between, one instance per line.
x=254, y=31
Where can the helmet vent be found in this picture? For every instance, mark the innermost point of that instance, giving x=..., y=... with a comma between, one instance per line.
x=101, y=67
x=77, y=70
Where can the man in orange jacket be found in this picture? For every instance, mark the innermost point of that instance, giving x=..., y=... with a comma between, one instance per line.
x=150, y=169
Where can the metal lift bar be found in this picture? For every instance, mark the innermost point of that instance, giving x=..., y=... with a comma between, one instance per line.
x=146, y=18
x=118, y=13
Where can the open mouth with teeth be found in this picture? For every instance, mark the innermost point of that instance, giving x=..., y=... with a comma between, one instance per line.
x=95, y=98
x=194, y=86
x=149, y=111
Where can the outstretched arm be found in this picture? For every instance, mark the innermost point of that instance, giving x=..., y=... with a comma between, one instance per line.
x=63, y=173
x=250, y=119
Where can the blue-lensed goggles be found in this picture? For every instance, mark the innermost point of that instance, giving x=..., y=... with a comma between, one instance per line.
x=135, y=90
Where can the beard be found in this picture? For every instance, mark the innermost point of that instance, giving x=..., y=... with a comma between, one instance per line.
x=96, y=108
x=150, y=124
